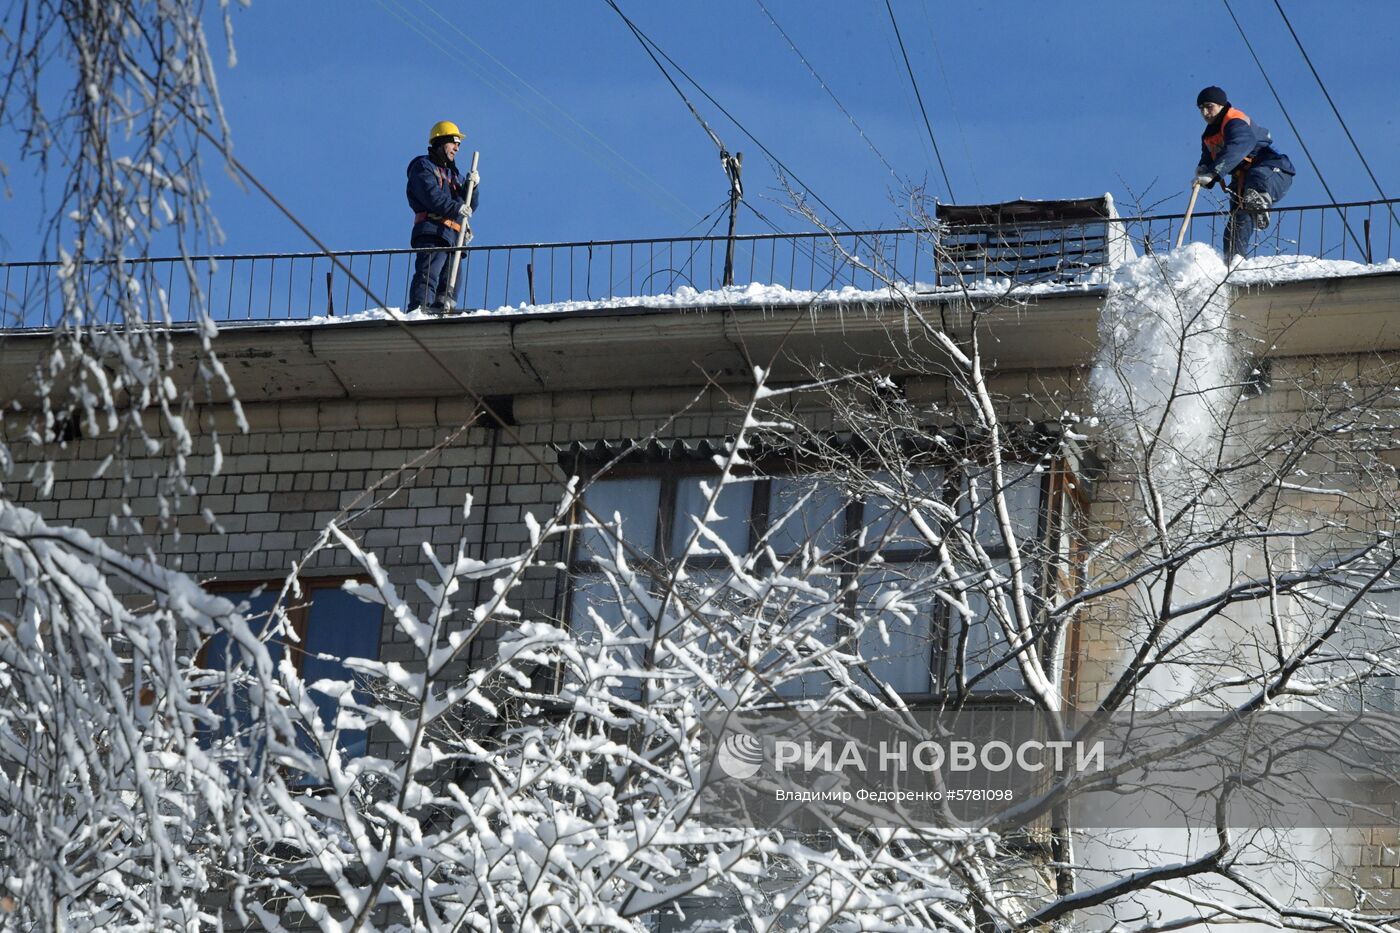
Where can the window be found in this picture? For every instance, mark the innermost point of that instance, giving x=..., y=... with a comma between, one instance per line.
x=330, y=624
x=885, y=568
x=980, y=644
x=1359, y=588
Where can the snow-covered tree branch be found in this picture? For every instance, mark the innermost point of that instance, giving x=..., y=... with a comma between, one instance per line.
x=1190, y=523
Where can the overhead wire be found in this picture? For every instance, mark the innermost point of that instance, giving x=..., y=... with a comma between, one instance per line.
x=730, y=164
x=760, y=215
x=1345, y=129
x=652, y=187
x=1291, y=125
x=653, y=49
x=716, y=214
x=922, y=109
x=830, y=93
x=407, y=18
x=651, y=44
x=952, y=99
x=644, y=40
x=901, y=88
x=602, y=143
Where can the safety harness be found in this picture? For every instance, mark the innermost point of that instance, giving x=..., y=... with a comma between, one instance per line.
x=443, y=180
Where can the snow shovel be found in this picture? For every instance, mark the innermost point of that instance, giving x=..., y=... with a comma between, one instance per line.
x=464, y=236
x=1186, y=222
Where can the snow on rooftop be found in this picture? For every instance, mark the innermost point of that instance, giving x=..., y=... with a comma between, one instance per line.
x=1278, y=270
x=1256, y=272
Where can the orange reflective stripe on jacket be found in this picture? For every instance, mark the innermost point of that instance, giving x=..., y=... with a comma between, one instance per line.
x=1215, y=140
x=421, y=216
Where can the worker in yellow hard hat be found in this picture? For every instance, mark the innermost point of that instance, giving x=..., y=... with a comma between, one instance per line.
x=437, y=193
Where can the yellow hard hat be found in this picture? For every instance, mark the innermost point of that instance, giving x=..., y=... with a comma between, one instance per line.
x=444, y=128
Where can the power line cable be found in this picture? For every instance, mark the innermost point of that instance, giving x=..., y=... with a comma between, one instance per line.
x=1351, y=139
x=650, y=43
x=671, y=203
x=732, y=164
x=1291, y=124
x=902, y=88
x=923, y=110
x=716, y=213
x=403, y=15
x=760, y=215
x=952, y=100
x=709, y=131
x=793, y=45
x=560, y=110
x=506, y=93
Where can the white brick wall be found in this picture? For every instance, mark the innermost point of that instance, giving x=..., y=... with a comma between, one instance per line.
x=303, y=463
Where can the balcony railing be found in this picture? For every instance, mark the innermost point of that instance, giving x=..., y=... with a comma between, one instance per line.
x=301, y=286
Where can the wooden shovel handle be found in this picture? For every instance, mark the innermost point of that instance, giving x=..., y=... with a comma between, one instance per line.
x=463, y=234
x=1186, y=221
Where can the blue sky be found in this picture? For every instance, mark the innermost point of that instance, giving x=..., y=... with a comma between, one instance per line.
x=329, y=101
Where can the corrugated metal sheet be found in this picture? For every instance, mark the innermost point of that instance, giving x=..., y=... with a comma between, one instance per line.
x=1031, y=440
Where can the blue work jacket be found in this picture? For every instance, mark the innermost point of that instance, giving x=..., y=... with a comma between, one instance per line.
x=1232, y=144
x=435, y=193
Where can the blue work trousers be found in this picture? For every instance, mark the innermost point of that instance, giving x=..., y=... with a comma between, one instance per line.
x=1240, y=228
x=430, y=271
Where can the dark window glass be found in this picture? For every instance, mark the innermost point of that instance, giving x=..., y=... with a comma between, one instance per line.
x=338, y=626
x=635, y=502
x=805, y=511
x=332, y=624
x=233, y=705
x=732, y=511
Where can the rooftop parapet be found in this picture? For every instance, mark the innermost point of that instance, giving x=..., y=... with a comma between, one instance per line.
x=1019, y=244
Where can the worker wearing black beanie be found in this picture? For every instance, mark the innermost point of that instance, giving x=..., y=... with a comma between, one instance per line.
x=1234, y=147
x=1212, y=95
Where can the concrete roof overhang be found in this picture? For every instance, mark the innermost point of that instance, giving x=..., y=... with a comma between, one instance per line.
x=633, y=347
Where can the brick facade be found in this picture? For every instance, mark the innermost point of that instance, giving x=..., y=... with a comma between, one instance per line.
x=305, y=463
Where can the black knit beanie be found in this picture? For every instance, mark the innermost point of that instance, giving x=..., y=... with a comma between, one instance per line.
x=1212, y=95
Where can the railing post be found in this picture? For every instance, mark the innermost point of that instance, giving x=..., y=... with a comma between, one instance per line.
x=510, y=255
x=486, y=286
x=1366, y=226
x=330, y=296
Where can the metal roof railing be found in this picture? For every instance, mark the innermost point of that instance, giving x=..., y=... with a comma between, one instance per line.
x=301, y=286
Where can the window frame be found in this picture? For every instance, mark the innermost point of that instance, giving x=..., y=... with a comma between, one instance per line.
x=298, y=615
x=1061, y=506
